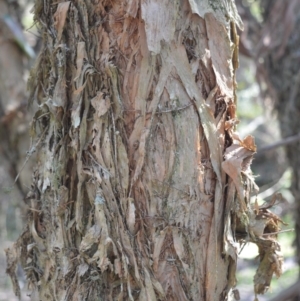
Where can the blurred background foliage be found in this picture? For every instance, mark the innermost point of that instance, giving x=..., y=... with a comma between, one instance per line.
x=267, y=77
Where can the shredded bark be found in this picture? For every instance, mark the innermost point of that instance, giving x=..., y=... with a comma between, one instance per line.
x=130, y=192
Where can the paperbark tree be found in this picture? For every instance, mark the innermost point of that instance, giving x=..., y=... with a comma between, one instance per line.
x=142, y=186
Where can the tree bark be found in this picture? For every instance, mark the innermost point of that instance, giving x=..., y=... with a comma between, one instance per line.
x=141, y=180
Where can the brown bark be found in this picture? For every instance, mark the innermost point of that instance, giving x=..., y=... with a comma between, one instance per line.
x=135, y=136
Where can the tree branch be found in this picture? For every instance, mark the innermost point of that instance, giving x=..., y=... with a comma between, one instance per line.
x=277, y=144
x=291, y=292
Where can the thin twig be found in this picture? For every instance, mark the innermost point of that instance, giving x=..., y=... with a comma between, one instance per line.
x=39, y=211
x=292, y=291
x=282, y=231
x=242, y=248
x=173, y=110
x=277, y=144
x=162, y=111
x=99, y=165
x=45, y=114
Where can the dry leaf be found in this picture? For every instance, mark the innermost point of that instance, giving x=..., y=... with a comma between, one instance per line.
x=236, y=161
x=231, y=123
x=249, y=143
x=271, y=262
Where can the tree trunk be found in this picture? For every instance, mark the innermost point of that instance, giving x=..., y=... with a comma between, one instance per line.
x=135, y=135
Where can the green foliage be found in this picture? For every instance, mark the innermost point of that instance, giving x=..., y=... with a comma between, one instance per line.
x=255, y=9
x=7, y=189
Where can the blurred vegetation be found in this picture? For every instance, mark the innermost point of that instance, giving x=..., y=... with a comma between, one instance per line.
x=273, y=174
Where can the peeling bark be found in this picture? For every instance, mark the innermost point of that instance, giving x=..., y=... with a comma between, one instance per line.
x=136, y=111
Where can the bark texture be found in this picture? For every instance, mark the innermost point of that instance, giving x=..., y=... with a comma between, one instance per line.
x=140, y=177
